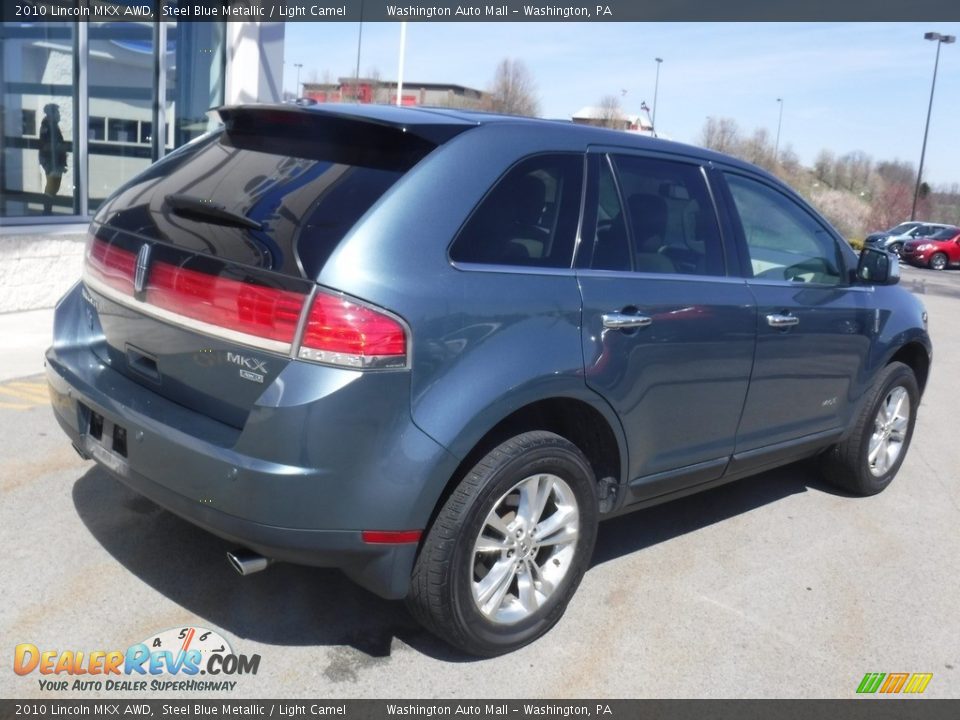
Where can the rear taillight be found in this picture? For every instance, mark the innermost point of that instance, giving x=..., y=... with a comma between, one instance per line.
x=342, y=332
x=241, y=307
x=111, y=265
x=338, y=331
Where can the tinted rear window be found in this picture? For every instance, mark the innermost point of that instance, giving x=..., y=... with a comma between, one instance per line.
x=305, y=181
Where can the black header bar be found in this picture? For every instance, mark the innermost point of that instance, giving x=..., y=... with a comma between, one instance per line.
x=496, y=11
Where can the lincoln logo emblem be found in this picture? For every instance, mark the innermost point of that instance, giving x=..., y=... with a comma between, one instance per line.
x=143, y=264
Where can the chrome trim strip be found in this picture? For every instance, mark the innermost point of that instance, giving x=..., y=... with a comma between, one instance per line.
x=182, y=321
x=352, y=362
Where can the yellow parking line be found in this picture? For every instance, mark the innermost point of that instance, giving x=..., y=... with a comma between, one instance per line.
x=38, y=389
x=24, y=395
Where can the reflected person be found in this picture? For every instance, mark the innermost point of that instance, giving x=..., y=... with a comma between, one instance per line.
x=53, y=149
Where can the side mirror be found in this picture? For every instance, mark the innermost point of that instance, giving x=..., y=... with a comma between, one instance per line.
x=878, y=267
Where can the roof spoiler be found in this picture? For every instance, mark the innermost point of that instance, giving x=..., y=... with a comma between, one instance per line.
x=433, y=127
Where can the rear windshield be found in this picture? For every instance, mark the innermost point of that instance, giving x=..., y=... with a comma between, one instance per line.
x=276, y=190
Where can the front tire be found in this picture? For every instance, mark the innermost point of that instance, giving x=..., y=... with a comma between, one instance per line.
x=867, y=461
x=509, y=547
x=938, y=261
x=895, y=248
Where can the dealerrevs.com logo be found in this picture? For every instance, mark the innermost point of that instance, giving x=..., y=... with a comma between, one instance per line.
x=180, y=659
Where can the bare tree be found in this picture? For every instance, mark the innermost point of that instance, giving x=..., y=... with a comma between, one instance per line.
x=846, y=211
x=897, y=171
x=611, y=113
x=823, y=166
x=381, y=94
x=892, y=206
x=757, y=149
x=721, y=135
x=513, y=90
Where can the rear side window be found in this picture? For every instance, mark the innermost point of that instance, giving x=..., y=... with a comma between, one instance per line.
x=529, y=218
x=655, y=216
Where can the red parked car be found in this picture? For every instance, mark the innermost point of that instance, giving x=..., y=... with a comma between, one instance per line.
x=937, y=251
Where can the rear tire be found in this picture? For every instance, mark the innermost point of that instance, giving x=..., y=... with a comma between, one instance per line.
x=867, y=461
x=509, y=546
x=938, y=261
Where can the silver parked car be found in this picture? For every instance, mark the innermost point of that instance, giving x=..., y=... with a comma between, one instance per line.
x=893, y=240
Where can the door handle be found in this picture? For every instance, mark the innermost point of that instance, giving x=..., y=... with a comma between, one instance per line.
x=782, y=321
x=621, y=321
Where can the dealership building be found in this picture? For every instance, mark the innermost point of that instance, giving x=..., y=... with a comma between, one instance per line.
x=87, y=106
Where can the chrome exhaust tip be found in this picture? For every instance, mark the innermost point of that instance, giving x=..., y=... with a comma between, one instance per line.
x=247, y=562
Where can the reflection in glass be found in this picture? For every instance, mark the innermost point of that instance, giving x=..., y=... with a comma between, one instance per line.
x=121, y=90
x=38, y=109
x=195, y=65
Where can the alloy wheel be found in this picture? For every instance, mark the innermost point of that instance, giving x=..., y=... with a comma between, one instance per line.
x=889, y=431
x=525, y=548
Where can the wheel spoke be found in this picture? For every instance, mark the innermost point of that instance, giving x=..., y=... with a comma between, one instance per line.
x=900, y=396
x=497, y=523
x=534, y=493
x=555, y=528
x=490, y=591
x=527, y=591
x=883, y=414
x=488, y=544
x=900, y=425
x=883, y=457
x=544, y=585
x=561, y=537
x=876, y=445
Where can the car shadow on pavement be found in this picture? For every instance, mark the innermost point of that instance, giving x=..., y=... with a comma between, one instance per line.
x=303, y=606
x=644, y=528
x=284, y=605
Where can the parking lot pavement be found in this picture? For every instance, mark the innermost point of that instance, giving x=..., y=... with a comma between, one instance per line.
x=774, y=586
x=923, y=281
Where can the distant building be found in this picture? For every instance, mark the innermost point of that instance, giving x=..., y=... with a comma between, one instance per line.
x=371, y=90
x=597, y=116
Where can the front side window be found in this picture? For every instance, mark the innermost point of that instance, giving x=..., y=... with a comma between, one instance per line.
x=529, y=218
x=783, y=240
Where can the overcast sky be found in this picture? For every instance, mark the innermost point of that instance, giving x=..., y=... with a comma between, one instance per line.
x=845, y=87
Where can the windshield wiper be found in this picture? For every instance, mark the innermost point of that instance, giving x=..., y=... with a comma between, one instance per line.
x=195, y=208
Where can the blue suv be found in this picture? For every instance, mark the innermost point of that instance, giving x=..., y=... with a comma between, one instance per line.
x=434, y=348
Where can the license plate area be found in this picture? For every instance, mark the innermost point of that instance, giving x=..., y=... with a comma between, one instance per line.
x=104, y=440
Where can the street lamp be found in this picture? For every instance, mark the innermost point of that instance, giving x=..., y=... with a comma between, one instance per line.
x=941, y=40
x=776, y=147
x=356, y=79
x=656, y=86
x=296, y=90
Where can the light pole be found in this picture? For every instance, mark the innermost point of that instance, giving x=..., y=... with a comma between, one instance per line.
x=403, y=52
x=356, y=79
x=776, y=147
x=941, y=39
x=656, y=87
x=296, y=90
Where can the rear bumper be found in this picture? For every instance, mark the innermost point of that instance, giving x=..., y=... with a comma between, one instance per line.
x=293, y=485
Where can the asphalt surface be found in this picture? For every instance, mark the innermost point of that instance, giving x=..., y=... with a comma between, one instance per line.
x=776, y=586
